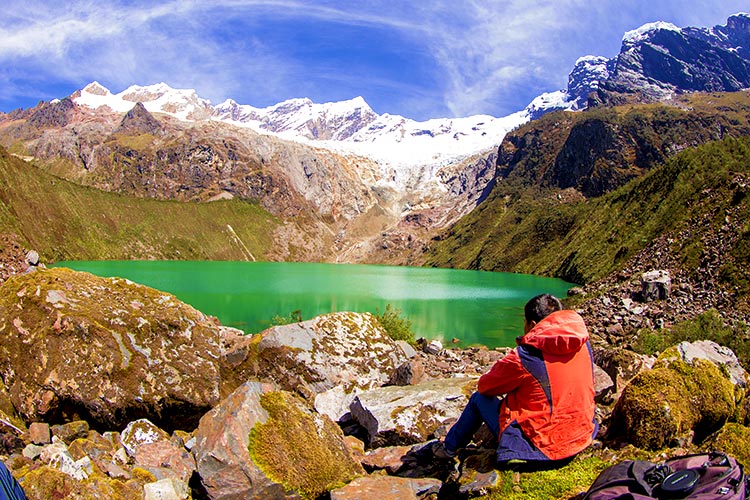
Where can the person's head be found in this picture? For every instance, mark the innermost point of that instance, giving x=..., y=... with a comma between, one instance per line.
x=538, y=308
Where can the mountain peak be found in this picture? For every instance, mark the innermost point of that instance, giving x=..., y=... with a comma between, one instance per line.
x=138, y=93
x=138, y=120
x=642, y=33
x=95, y=88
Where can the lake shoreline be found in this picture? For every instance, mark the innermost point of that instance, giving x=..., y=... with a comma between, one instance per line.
x=474, y=307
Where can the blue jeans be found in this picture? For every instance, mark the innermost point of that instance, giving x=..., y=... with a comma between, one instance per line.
x=480, y=409
x=9, y=487
x=512, y=444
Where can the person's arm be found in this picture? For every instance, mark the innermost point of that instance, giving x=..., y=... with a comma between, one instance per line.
x=504, y=376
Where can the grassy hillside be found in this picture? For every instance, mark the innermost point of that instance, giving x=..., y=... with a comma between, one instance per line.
x=532, y=230
x=601, y=149
x=63, y=220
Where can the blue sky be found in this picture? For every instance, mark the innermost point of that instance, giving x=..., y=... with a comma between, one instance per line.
x=420, y=59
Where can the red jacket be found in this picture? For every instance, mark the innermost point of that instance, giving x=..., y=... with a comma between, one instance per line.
x=548, y=381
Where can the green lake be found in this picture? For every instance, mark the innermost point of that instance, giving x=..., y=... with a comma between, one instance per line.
x=473, y=306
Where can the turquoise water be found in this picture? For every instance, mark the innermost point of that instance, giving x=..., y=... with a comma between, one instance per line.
x=474, y=306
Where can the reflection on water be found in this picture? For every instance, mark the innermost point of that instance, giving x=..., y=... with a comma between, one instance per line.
x=475, y=307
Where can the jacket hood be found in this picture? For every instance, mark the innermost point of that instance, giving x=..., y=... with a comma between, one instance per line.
x=562, y=332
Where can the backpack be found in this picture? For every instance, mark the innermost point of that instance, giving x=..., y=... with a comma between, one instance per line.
x=703, y=476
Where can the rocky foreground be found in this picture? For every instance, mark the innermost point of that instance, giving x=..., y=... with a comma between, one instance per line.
x=116, y=390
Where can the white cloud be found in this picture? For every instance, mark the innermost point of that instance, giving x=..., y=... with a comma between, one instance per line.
x=483, y=56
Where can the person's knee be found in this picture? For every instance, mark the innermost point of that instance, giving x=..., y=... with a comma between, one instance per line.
x=479, y=398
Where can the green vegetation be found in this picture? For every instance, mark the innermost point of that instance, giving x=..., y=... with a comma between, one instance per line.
x=532, y=230
x=733, y=439
x=65, y=221
x=303, y=451
x=293, y=317
x=662, y=406
x=397, y=326
x=706, y=326
x=563, y=483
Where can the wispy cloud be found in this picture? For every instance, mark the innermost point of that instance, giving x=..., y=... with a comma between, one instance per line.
x=454, y=57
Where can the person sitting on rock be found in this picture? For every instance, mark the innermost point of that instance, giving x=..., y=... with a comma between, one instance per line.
x=546, y=416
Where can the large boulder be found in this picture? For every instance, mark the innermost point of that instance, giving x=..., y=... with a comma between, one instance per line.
x=73, y=345
x=345, y=349
x=655, y=285
x=263, y=443
x=397, y=415
x=674, y=403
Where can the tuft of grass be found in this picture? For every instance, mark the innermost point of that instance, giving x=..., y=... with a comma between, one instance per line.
x=293, y=317
x=559, y=484
x=397, y=326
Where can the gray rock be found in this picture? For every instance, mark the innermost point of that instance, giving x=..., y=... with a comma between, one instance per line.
x=433, y=347
x=720, y=355
x=343, y=349
x=655, y=285
x=334, y=402
x=407, y=415
x=387, y=488
x=57, y=455
x=604, y=386
x=141, y=432
x=166, y=489
x=172, y=461
x=622, y=365
x=409, y=373
x=32, y=451
x=32, y=258
x=480, y=485
x=409, y=351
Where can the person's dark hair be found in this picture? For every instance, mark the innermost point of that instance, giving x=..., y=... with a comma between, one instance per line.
x=540, y=307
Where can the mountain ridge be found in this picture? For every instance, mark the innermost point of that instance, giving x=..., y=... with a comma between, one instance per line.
x=347, y=127
x=166, y=143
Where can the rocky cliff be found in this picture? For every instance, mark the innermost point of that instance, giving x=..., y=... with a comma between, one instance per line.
x=598, y=150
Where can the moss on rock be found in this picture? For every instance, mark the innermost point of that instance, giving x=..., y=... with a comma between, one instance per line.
x=303, y=451
x=52, y=484
x=733, y=439
x=104, y=350
x=661, y=406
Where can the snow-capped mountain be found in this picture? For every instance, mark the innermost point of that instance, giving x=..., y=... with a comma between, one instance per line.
x=658, y=60
x=347, y=126
x=180, y=103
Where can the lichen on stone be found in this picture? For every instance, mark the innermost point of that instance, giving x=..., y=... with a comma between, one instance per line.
x=301, y=450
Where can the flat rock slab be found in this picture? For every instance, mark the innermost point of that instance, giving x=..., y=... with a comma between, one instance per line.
x=397, y=415
x=387, y=488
